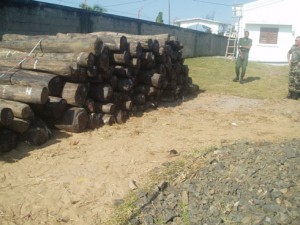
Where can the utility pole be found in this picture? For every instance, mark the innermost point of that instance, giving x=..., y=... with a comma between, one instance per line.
x=169, y=12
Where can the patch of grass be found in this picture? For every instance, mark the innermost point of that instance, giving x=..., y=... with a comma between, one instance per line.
x=262, y=81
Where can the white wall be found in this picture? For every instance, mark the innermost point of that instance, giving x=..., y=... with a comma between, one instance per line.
x=279, y=14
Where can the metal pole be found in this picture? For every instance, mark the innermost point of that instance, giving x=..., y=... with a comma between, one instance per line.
x=169, y=13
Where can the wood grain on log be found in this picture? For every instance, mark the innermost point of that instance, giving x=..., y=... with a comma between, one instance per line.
x=75, y=93
x=20, y=110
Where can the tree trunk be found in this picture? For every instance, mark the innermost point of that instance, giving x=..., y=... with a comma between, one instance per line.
x=108, y=119
x=91, y=44
x=89, y=105
x=20, y=110
x=94, y=120
x=73, y=120
x=108, y=108
x=150, y=78
x=53, y=82
x=125, y=84
x=6, y=116
x=19, y=125
x=121, y=116
x=120, y=58
x=36, y=95
x=8, y=140
x=100, y=92
x=75, y=93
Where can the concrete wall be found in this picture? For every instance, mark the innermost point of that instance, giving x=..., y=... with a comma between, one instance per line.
x=28, y=17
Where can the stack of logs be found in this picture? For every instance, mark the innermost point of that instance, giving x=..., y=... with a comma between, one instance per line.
x=77, y=81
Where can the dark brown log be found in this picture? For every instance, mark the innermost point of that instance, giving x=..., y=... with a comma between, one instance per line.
x=91, y=44
x=48, y=65
x=37, y=95
x=53, y=82
x=19, y=125
x=8, y=140
x=138, y=99
x=125, y=84
x=113, y=81
x=108, y=119
x=147, y=60
x=102, y=60
x=145, y=89
x=75, y=93
x=150, y=78
x=20, y=110
x=121, y=116
x=120, y=58
x=89, y=105
x=123, y=72
x=52, y=109
x=73, y=120
x=120, y=97
x=83, y=59
x=94, y=120
x=6, y=116
x=127, y=105
x=108, y=108
x=37, y=134
x=100, y=92
x=135, y=49
x=136, y=65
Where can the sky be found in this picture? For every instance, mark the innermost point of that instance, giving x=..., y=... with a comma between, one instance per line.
x=218, y=10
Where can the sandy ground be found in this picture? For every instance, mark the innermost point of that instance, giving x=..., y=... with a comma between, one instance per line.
x=75, y=178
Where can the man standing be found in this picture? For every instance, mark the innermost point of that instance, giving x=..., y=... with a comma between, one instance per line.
x=244, y=45
x=293, y=57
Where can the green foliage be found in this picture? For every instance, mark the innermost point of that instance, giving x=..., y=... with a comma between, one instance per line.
x=262, y=81
x=159, y=18
x=96, y=8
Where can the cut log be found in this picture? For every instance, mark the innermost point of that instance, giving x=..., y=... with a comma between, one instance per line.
x=120, y=58
x=36, y=95
x=123, y=72
x=100, y=92
x=150, y=78
x=121, y=116
x=19, y=125
x=127, y=105
x=145, y=89
x=75, y=93
x=20, y=110
x=125, y=84
x=6, y=116
x=147, y=60
x=108, y=119
x=91, y=44
x=53, y=109
x=94, y=120
x=73, y=120
x=138, y=99
x=108, y=108
x=89, y=105
x=37, y=134
x=53, y=82
x=8, y=140
x=135, y=49
x=62, y=68
x=113, y=81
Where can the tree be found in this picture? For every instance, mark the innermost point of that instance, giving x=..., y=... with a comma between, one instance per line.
x=96, y=8
x=159, y=18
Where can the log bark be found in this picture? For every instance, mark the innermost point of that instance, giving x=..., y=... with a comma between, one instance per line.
x=123, y=72
x=145, y=89
x=8, y=140
x=127, y=105
x=19, y=125
x=139, y=99
x=75, y=93
x=100, y=92
x=94, y=120
x=120, y=58
x=73, y=120
x=20, y=110
x=6, y=116
x=121, y=116
x=89, y=105
x=91, y=44
x=135, y=49
x=53, y=109
x=108, y=108
x=150, y=78
x=108, y=119
x=36, y=95
x=37, y=134
x=53, y=82
x=125, y=84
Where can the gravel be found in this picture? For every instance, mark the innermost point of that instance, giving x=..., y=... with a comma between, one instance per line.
x=243, y=183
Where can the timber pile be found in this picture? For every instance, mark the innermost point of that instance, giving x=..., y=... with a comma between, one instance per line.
x=77, y=81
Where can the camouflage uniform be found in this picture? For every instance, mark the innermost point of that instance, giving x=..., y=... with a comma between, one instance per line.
x=242, y=59
x=294, y=75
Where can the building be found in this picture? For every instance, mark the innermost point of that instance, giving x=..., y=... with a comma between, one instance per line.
x=273, y=27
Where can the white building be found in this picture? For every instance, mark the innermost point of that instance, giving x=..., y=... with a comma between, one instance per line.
x=273, y=27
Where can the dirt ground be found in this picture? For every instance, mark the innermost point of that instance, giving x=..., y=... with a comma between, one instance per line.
x=75, y=178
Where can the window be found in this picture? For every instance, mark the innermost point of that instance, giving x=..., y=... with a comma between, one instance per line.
x=268, y=35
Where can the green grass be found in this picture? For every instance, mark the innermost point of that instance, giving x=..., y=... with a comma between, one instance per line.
x=215, y=74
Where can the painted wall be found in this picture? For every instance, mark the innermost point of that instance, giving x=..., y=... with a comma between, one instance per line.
x=279, y=14
x=28, y=17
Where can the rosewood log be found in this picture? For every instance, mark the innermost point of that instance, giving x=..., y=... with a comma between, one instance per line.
x=75, y=93
x=108, y=108
x=73, y=120
x=6, y=116
x=94, y=120
x=20, y=110
x=19, y=125
x=36, y=95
